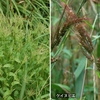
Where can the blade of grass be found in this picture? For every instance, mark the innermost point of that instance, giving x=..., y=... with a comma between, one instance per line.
x=15, y=4
x=82, y=3
x=93, y=25
x=24, y=83
x=25, y=69
x=83, y=81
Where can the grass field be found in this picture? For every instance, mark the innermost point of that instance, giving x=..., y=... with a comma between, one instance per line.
x=24, y=50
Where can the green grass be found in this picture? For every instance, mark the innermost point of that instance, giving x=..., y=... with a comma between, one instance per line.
x=24, y=50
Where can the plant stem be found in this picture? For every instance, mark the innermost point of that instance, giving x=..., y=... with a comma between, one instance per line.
x=82, y=3
x=94, y=79
x=83, y=84
x=96, y=17
x=24, y=83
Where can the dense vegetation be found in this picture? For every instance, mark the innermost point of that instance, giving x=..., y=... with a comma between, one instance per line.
x=24, y=49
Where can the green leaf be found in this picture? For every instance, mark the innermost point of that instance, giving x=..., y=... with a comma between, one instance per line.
x=98, y=73
x=60, y=86
x=13, y=75
x=7, y=93
x=67, y=52
x=54, y=20
x=78, y=84
x=15, y=83
x=98, y=49
x=71, y=99
x=17, y=60
x=1, y=54
x=45, y=96
x=80, y=67
x=7, y=65
x=16, y=93
x=10, y=98
x=2, y=79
